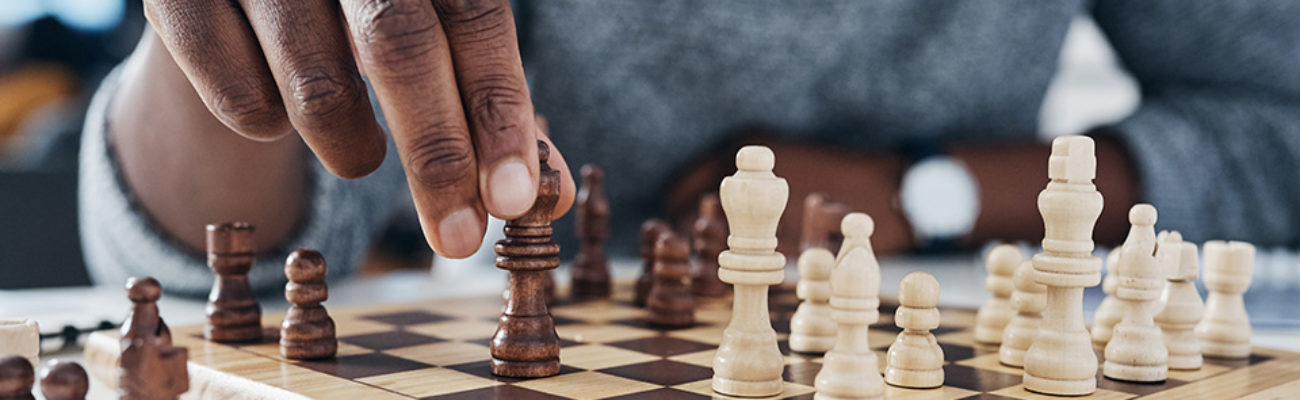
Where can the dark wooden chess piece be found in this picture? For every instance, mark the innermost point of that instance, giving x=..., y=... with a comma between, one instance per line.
x=525, y=344
x=821, y=222
x=590, y=267
x=233, y=313
x=153, y=370
x=150, y=368
x=670, y=302
x=650, y=231
x=16, y=378
x=709, y=239
x=308, y=331
x=143, y=320
x=64, y=380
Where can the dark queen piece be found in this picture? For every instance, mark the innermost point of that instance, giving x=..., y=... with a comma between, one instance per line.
x=525, y=344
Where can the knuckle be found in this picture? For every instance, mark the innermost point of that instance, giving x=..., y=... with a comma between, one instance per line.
x=250, y=109
x=441, y=159
x=396, y=34
x=496, y=104
x=322, y=91
x=474, y=20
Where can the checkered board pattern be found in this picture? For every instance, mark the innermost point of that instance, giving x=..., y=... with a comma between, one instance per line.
x=439, y=350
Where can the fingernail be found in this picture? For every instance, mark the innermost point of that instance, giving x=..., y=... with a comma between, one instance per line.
x=511, y=187
x=460, y=233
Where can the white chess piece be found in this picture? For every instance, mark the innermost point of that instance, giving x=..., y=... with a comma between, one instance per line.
x=1225, y=330
x=21, y=337
x=1136, y=351
x=851, y=369
x=1108, y=313
x=811, y=328
x=915, y=360
x=1028, y=299
x=1061, y=360
x=996, y=312
x=748, y=362
x=1182, y=311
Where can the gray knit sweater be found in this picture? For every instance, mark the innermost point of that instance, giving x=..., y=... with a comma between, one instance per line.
x=642, y=87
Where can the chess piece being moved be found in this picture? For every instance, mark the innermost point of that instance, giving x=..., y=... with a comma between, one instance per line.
x=1028, y=299
x=308, y=331
x=670, y=302
x=996, y=312
x=1225, y=330
x=64, y=380
x=144, y=320
x=650, y=231
x=709, y=239
x=1108, y=313
x=1182, y=311
x=748, y=362
x=821, y=220
x=233, y=313
x=915, y=359
x=1136, y=351
x=1061, y=360
x=16, y=378
x=590, y=267
x=811, y=328
x=21, y=337
x=525, y=344
x=851, y=369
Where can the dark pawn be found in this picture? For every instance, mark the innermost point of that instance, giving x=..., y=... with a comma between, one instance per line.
x=590, y=267
x=671, y=303
x=233, y=313
x=16, y=378
x=650, y=231
x=308, y=331
x=64, y=380
x=709, y=240
x=525, y=344
x=143, y=320
x=821, y=222
x=152, y=370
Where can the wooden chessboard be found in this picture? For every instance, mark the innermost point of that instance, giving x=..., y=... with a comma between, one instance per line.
x=439, y=350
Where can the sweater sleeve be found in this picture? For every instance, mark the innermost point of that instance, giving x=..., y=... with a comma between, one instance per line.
x=120, y=240
x=1217, y=136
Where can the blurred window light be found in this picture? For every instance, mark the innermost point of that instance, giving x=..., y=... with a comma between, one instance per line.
x=88, y=15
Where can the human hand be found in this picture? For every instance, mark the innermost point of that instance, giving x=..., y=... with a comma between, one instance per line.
x=447, y=74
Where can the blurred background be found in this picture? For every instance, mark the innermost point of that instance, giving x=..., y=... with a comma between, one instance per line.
x=53, y=53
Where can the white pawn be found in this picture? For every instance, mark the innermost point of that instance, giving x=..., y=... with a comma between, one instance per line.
x=850, y=370
x=1182, y=310
x=1108, y=313
x=996, y=312
x=1225, y=330
x=915, y=360
x=1029, y=299
x=1136, y=351
x=811, y=328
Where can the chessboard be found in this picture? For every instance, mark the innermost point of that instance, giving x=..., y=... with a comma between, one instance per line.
x=439, y=350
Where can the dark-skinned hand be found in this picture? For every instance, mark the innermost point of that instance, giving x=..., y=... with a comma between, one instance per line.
x=447, y=74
